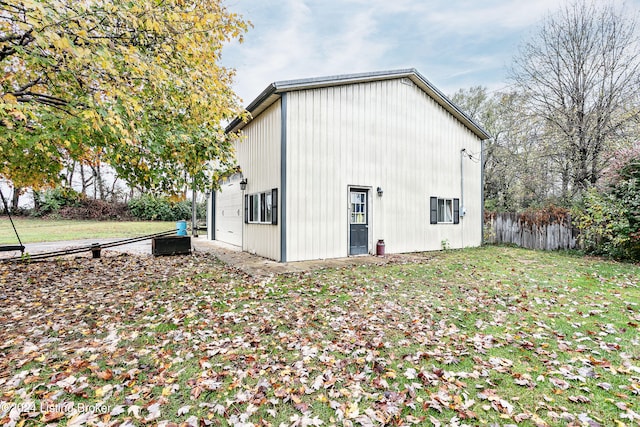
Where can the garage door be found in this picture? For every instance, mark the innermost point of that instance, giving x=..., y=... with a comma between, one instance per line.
x=229, y=212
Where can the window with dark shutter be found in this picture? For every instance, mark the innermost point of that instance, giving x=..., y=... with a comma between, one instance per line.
x=274, y=206
x=262, y=208
x=444, y=211
x=456, y=211
x=434, y=210
x=246, y=208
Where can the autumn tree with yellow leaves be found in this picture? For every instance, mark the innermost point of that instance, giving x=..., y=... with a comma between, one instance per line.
x=135, y=84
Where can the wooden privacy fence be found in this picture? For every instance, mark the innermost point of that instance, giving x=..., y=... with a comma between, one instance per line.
x=540, y=230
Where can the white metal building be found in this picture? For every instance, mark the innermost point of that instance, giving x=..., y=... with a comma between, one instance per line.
x=334, y=164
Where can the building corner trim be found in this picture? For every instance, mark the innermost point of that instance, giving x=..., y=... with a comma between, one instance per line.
x=482, y=146
x=213, y=214
x=283, y=178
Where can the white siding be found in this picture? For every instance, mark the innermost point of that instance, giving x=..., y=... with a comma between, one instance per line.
x=258, y=155
x=388, y=134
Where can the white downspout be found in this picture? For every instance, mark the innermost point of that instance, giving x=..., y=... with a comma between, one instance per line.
x=462, y=212
x=462, y=152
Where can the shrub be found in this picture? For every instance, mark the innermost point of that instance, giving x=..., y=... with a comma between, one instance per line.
x=54, y=200
x=602, y=224
x=181, y=210
x=96, y=210
x=609, y=219
x=148, y=207
x=201, y=209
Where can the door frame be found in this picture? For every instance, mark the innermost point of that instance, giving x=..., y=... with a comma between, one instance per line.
x=369, y=191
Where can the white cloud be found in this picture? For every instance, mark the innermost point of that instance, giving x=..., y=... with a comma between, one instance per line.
x=354, y=48
x=482, y=17
x=274, y=53
x=299, y=46
x=455, y=43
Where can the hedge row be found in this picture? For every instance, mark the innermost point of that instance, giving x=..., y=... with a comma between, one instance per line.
x=69, y=204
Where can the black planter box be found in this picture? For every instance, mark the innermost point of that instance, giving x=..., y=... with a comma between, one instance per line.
x=171, y=245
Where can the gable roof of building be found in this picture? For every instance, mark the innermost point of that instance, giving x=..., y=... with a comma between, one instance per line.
x=274, y=91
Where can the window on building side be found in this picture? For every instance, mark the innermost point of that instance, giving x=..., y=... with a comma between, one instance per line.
x=254, y=203
x=444, y=211
x=261, y=208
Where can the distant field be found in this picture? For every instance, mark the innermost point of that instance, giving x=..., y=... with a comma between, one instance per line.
x=33, y=230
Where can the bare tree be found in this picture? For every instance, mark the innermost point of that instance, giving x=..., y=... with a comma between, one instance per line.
x=515, y=161
x=98, y=188
x=580, y=74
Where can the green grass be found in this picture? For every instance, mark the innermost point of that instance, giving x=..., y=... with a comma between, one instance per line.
x=32, y=230
x=487, y=336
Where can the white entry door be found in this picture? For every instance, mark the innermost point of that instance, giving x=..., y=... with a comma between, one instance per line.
x=228, y=220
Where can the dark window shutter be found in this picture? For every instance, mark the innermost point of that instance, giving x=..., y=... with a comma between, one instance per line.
x=456, y=211
x=274, y=206
x=246, y=208
x=434, y=210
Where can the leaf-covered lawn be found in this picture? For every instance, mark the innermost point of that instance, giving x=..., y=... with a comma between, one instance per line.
x=489, y=336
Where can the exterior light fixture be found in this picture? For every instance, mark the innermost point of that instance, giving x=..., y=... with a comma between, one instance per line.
x=243, y=184
x=379, y=190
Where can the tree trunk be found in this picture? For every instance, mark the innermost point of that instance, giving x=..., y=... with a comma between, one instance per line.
x=15, y=198
x=69, y=175
x=95, y=183
x=86, y=182
x=564, y=173
x=581, y=174
x=595, y=160
x=36, y=201
x=99, y=182
x=112, y=192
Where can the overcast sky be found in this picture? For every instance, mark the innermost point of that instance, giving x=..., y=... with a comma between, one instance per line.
x=453, y=43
